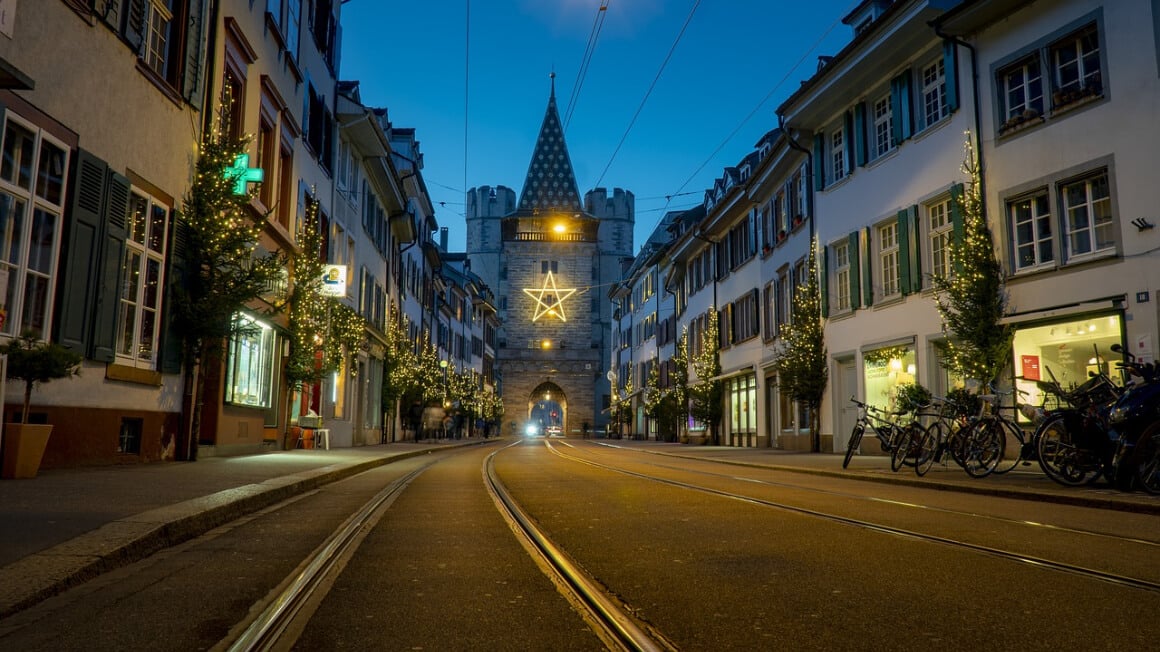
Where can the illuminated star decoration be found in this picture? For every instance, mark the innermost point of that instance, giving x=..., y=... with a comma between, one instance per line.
x=549, y=299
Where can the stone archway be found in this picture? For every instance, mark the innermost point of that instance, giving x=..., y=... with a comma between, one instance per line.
x=548, y=410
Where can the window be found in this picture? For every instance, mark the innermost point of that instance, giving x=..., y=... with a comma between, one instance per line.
x=1087, y=211
x=842, y=275
x=157, y=39
x=883, y=126
x=1022, y=89
x=138, y=318
x=784, y=298
x=1068, y=70
x=939, y=231
x=1032, y=233
x=745, y=320
x=32, y=173
x=838, y=163
x=1075, y=63
x=250, y=368
x=933, y=92
x=286, y=16
x=888, y=258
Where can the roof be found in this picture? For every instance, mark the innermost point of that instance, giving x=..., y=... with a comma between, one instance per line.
x=550, y=184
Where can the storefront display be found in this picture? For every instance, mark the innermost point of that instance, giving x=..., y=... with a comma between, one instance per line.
x=1067, y=352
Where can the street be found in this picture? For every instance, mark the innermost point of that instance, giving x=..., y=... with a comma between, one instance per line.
x=701, y=555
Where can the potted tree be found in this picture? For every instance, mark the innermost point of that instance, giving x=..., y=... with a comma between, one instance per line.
x=32, y=362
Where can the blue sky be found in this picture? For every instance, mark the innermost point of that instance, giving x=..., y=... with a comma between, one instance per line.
x=734, y=63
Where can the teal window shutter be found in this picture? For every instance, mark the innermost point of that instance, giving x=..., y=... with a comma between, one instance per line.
x=951, y=75
x=860, y=133
x=135, y=24
x=900, y=107
x=78, y=267
x=904, y=246
x=823, y=282
x=867, y=269
x=819, y=161
x=110, y=264
x=855, y=273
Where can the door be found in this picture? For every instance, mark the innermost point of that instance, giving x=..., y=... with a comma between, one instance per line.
x=847, y=411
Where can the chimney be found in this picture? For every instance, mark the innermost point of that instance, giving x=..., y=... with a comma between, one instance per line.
x=443, y=238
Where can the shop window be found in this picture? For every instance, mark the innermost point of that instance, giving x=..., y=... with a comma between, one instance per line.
x=250, y=364
x=1065, y=351
x=884, y=369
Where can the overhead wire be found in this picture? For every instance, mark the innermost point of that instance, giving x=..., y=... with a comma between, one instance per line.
x=466, y=83
x=745, y=120
x=640, y=107
x=589, y=50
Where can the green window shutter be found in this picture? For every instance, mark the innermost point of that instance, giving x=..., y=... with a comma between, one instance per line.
x=904, y=247
x=958, y=230
x=819, y=161
x=823, y=282
x=867, y=269
x=193, y=83
x=860, y=133
x=112, y=259
x=951, y=75
x=855, y=273
x=175, y=278
x=915, y=250
x=75, y=293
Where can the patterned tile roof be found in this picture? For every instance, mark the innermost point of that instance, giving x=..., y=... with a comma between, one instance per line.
x=551, y=181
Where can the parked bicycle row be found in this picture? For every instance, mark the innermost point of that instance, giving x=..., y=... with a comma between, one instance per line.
x=1078, y=434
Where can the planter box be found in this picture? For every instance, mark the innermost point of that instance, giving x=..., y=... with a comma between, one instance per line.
x=24, y=445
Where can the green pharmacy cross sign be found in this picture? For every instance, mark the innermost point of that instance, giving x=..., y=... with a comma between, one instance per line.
x=242, y=173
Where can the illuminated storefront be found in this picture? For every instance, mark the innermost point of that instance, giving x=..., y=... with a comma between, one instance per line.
x=884, y=369
x=742, y=393
x=1067, y=351
x=251, y=364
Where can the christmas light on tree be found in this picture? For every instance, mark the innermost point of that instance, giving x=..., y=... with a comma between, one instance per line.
x=972, y=299
x=801, y=358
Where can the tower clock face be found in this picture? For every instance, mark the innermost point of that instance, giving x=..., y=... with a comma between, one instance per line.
x=549, y=299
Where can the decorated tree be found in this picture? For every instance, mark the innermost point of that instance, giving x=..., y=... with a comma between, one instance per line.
x=219, y=269
x=801, y=359
x=400, y=364
x=972, y=298
x=679, y=381
x=323, y=330
x=707, y=395
x=621, y=403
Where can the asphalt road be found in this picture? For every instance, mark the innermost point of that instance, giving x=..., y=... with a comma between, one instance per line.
x=741, y=559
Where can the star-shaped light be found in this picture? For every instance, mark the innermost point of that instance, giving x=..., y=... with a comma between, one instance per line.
x=549, y=299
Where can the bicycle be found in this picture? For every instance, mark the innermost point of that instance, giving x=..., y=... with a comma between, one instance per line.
x=878, y=420
x=945, y=436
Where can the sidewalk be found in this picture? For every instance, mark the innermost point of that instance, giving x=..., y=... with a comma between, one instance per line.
x=69, y=525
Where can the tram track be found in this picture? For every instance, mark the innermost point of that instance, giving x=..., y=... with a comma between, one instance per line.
x=1021, y=558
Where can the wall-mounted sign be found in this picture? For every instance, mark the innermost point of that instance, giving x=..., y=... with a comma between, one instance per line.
x=242, y=174
x=334, y=280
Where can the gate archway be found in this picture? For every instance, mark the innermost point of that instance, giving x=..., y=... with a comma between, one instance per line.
x=547, y=410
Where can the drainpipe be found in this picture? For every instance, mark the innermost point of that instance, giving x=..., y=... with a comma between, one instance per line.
x=975, y=102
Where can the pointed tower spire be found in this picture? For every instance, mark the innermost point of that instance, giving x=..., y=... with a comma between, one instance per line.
x=551, y=183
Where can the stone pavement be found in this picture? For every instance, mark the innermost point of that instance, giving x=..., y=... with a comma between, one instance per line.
x=69, y=525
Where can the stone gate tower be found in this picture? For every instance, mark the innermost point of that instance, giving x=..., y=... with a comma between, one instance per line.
x=551, y=259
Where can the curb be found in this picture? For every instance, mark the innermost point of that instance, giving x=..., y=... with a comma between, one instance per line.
x=119, y=543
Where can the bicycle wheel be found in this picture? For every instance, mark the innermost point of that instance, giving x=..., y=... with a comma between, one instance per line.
x=982, y=448
x=906, y=446
x=1010, y=431
x=1149, y=470
x=929, y=448
x=852, y=445
x=1059, y=457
